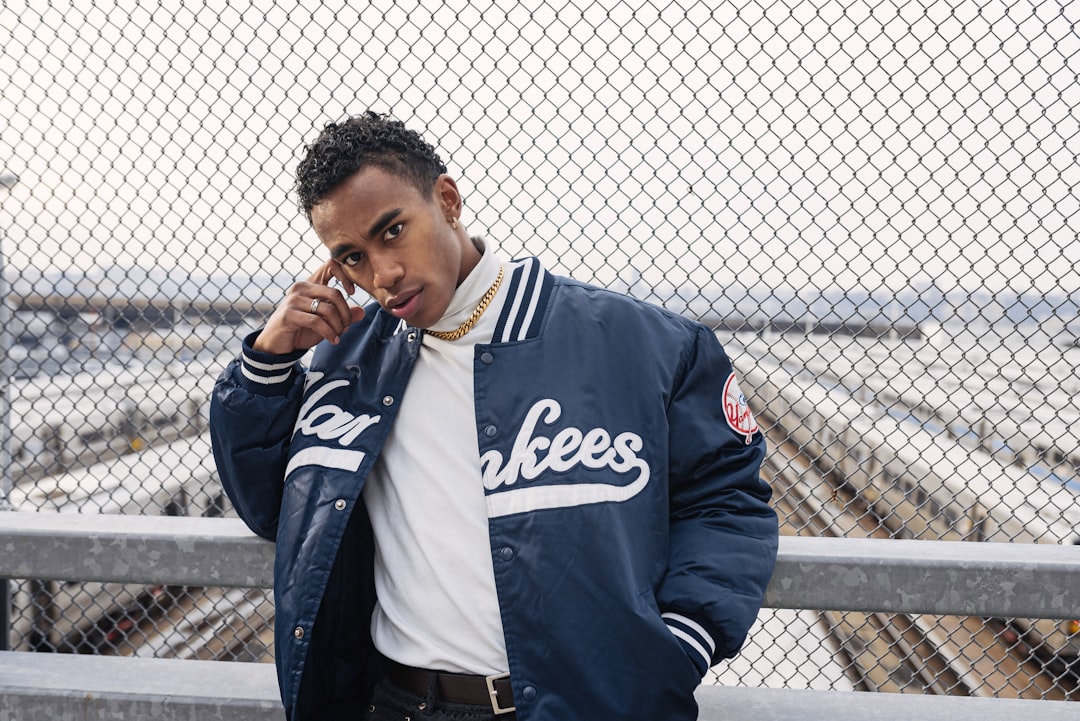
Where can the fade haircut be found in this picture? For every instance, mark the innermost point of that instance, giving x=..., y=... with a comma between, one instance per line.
x=371, y=139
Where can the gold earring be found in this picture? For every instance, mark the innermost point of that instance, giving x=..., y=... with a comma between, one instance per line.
x=453, y=223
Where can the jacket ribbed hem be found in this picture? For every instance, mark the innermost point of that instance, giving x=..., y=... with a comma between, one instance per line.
x=695, y=640
x=266, y=373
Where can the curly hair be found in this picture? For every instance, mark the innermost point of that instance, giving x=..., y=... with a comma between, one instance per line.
x=371, y=139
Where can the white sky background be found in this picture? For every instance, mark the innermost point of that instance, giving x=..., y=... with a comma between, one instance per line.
x=804, y=143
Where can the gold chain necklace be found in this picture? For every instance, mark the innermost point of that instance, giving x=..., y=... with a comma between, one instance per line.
x=471, y=320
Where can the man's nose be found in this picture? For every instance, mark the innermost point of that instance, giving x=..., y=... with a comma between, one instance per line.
x=386, y=272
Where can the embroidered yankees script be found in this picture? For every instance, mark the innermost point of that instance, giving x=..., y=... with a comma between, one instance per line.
x=329, y=422
x=534, y=454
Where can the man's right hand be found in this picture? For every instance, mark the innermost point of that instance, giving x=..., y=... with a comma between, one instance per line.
x=311, y=312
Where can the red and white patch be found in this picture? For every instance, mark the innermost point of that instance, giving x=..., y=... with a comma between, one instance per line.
x=737, y=410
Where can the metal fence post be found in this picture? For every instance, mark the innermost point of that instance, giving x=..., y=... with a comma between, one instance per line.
x=6, y=181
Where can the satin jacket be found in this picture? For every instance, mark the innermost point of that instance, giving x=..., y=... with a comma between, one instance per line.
x=631, y=535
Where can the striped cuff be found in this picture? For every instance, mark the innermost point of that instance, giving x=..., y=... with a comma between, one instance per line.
x=695, y=640
x=267, y=373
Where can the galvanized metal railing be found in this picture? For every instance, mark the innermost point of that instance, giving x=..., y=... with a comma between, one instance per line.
x=812, y=573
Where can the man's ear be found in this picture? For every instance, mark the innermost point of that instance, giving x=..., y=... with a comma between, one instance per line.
x=448, y=196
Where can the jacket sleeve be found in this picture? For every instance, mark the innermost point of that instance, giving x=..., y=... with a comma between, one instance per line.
x=723, y=532
x=253, y=409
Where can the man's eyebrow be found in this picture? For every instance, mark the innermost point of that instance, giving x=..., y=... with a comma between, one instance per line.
x=384, y=220
x=339, y=250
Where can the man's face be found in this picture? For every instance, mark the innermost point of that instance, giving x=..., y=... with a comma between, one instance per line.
x=396, y=243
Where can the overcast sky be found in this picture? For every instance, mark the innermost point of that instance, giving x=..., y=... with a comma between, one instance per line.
x=806, y=143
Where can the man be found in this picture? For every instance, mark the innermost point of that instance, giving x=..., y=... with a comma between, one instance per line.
x=496, y=493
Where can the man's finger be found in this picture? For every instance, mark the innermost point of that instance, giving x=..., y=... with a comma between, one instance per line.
x=338, y=272
x=328, y=304
x=325, y=326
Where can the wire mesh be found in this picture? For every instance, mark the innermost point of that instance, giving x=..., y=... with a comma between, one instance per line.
x=873, y=203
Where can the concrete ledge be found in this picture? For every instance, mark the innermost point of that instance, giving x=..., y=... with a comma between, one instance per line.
x=736, y=703
x=47, y=687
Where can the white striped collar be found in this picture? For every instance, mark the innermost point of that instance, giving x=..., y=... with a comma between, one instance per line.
x=529, y=289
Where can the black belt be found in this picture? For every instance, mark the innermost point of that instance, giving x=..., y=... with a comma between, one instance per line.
x=492, y=691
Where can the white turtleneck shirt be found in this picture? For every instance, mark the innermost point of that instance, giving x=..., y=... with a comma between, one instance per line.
x=437, y=604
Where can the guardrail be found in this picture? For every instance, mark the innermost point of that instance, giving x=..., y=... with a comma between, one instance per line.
x=936, y=577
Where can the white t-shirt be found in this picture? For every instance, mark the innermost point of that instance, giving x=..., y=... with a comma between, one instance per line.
x=437, y=606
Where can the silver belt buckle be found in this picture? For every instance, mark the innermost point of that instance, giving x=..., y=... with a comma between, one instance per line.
x=494, y=695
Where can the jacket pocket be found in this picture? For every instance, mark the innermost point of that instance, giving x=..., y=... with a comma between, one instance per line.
x=687, y=665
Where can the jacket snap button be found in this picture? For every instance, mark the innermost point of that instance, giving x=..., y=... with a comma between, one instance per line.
x=298, y=632
x=490, y=431
x=411, y=337
x=340, y=504
x=388, y=400
x=487, y=357
x=506, y=553
x=528, y=693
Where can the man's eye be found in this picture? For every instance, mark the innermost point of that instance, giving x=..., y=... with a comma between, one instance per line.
x=393, y=231
x=352, y=259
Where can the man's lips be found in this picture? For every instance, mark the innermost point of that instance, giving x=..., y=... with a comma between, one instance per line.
x=405, y=304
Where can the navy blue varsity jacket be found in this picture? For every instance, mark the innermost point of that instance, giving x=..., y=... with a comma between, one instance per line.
x=631, y=534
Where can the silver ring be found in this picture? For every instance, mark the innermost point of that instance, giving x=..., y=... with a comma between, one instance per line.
x=315, y=306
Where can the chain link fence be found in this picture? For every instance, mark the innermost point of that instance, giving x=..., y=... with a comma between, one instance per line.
x=874, y=204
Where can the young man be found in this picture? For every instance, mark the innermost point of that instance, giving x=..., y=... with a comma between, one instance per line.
x=496, y=493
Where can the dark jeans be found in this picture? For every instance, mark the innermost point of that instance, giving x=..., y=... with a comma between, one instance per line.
x=391, y=703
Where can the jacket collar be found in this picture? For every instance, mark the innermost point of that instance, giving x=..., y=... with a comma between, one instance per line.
x=529, y=292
